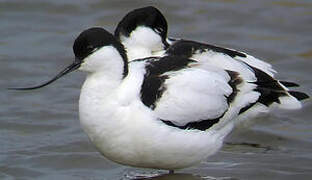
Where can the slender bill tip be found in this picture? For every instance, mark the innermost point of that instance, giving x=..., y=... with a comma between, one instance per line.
x=75, y=65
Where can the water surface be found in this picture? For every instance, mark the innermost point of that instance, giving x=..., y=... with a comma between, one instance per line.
x=40, y=135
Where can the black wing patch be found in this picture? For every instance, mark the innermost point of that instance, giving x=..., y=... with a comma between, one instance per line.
x=268, y=87
x=270, y=90
x=188, y=48
x=153, y=83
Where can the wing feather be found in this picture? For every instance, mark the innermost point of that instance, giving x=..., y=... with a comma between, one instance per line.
x=194, y=95
x=184, y=92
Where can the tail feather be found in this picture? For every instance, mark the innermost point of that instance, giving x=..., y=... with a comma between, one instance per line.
x=276, y=92
x=298, y=95
x=270, y=96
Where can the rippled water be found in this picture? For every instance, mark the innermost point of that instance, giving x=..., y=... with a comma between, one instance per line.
x=40, y=136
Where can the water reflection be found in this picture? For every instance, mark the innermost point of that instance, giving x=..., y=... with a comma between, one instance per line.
x=182, y=176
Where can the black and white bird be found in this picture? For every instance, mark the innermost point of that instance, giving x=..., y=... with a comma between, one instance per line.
x=167, y=112
x=143, y=32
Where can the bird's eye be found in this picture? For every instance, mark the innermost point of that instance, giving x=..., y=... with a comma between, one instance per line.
x=90, y=48
x=158, y=30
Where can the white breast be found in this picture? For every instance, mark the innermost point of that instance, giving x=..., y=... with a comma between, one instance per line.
x=126, y=131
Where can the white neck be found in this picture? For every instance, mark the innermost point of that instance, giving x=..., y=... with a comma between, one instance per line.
x=106, y=61
x=141, y=43
x=105, y=69
x=97, y=88
x=138, y=52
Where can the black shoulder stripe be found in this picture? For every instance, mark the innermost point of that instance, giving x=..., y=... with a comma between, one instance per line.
x=152, y=89
x=157, y=66
x=188, y=48
x=154, y=79
x=298, y=95
x=199, y=125
x=234, y=82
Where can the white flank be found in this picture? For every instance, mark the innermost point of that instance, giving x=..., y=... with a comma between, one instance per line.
x=126, y=131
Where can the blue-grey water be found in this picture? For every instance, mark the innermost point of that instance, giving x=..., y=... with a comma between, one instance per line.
x=40, y=135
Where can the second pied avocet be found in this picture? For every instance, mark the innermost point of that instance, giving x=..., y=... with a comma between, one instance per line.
x=143, y=32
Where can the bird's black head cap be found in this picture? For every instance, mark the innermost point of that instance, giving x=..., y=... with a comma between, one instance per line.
x=94, y=38
x=147, y=16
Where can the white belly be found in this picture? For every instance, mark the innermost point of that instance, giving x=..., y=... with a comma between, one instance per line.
x=130, y=135
x=124, y=130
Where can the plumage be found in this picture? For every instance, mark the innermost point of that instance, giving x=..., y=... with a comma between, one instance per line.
x=152, y=102
x=167, y=112
x=130, y=129
x=252, y=75
x=204, y=94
